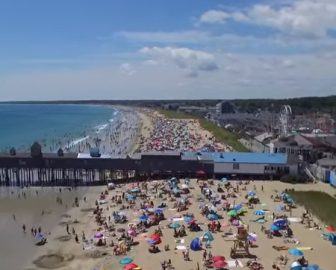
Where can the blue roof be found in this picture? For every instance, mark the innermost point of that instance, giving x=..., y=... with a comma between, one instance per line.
x=239, y=157
x=256, y=158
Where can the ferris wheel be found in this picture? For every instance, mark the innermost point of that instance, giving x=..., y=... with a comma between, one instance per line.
x=285, y=118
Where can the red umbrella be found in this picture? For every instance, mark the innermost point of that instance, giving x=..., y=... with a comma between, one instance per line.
x=220, y=264
x=331, y=229
x=218, y=258
x=130, y=266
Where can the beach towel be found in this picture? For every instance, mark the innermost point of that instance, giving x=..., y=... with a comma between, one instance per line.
x=181, y=247
x=294, y=219
x=232, y=264
x=178, y=219
x=304, y=248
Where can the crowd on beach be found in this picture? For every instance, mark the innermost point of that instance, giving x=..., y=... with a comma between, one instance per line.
x=178, y=134
x=185, y=217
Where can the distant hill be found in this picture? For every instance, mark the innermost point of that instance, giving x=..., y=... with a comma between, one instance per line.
x=299, y=105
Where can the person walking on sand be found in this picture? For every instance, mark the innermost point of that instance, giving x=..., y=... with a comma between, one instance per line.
x=14, y=217
x=24, y=228
x=67, y=228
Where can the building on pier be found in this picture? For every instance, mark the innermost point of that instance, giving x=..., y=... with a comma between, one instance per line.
x=37, y=168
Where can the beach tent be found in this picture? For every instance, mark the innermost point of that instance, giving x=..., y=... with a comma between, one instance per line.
x=296, y=266
x=196, y=244
x=207, y=236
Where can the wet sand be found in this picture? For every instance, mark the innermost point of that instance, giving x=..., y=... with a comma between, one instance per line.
x=16, y=247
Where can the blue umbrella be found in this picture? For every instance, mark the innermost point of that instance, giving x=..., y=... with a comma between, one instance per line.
x=151, y=242
x=188, y=219
x=295, y=252
x=251, y=193
x=238, y=207
x=313, y=267
x=125, y=260
x=274, y=228
x=158, y=211
x=260, y=212
x=212, y=217
x=280, y=208
x=143, y=218
x=174, y=225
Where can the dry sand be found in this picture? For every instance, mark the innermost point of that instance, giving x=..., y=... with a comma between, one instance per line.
x=79, y=259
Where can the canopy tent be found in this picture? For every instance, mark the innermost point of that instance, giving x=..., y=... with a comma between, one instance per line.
x=196, y=244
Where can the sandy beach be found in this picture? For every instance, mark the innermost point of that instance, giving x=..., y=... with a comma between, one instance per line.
x=97, y=257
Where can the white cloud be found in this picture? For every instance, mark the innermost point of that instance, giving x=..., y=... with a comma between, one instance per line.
x=214, y=16
x=309, y=18
x=190, y=60
x=127, y=69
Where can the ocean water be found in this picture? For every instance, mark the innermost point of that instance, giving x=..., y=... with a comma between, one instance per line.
x=52, y=126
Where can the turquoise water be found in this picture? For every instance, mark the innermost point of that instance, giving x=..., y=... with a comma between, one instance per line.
x=50, y=125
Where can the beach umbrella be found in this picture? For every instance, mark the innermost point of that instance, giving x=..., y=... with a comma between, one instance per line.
x=220, y=264
x=135, y=190
x=312, y=267
x=212, y=217
x=131, y=232
x=238, y=206
x=274, y=228
x=296, y=266
x=295, y=252
x=174, y=225
x=232, y=213
x=252, y=237
x=260, y=212
x=143, y=218
x=331, y=229
x=188, y=219
x=130, y=266
x=98, y=235
x=158, y=211
x=280, y=208
x=125, y=261
x=208, y=236
x=218, y=258
x=152, y=242
x=251, y=193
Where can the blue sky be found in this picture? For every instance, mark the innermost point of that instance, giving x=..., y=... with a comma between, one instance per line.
x=142, y=49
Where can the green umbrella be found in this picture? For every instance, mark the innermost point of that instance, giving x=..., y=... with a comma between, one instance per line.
x=232, y=213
